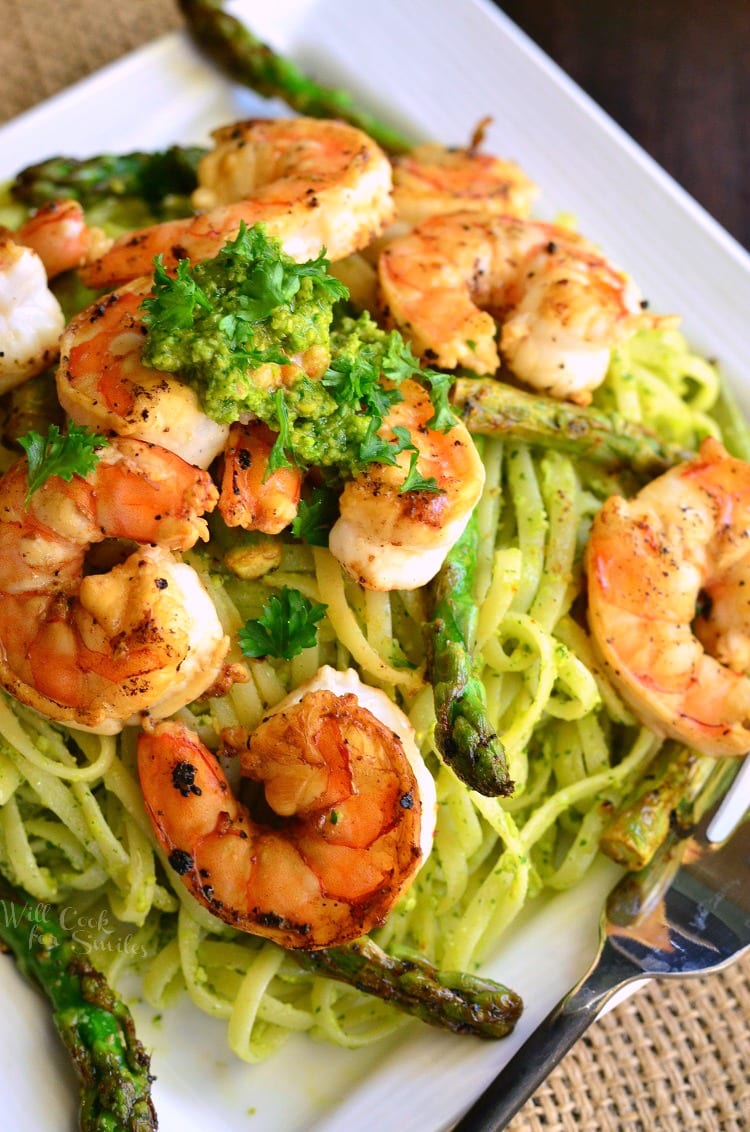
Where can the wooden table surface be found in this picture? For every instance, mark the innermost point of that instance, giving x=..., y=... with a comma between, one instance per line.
x=675, y=74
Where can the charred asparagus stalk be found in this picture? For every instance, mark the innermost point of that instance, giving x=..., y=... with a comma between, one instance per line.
x=458, y=1002
x=639, y=891
x=463, y=735
x=491, y=408
x=665, y=800
x=93, y=1022
x=151, y=177
x=247, y=60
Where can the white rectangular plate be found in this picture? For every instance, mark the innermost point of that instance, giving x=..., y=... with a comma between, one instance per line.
x=434, y=67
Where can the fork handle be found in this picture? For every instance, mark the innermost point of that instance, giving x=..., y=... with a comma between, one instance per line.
x=543, y=1049
x=526, y=1071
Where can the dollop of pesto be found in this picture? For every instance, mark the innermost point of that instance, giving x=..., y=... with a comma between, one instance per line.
x=243, y=324
x=251, y=330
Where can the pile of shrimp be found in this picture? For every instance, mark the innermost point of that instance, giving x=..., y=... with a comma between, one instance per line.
x=443, y=248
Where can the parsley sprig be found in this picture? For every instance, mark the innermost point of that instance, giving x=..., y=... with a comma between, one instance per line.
x=315, y=517
x=415, y=482
x=375, y=449
x=74, y=453
x=443, y=418
x=287, y=625
x=175, y=300
x=280, y=454
x=402, y=442
x=369, y=377
x=270, y=279
x=251, y=305
x=252, y=271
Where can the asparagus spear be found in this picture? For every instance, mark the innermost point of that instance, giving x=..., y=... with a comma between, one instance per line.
x=152, y=177
x=462, y=1003
x=491, y=408
x=247, y=60
x=148, y=176
x=93, y=1022
x=463, y=735
x=638, y=891
x=663, y=801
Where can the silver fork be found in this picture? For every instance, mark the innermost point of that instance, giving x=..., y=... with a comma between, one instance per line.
x=688, y=913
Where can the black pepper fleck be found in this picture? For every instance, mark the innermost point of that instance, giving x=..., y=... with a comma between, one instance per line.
x=180, y=861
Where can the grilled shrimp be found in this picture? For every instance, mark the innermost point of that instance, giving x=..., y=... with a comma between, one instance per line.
x=388, y=538
x=346, y=822
x=433, y=180
x=682, y=545
x=60, y=236
x=562, y=307
x=96, y=651
x=31, y=319
x=102, y=382
x=312, y=183
x=249, y=496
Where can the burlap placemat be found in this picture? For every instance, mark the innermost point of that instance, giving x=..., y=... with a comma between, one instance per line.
x=673, y=1057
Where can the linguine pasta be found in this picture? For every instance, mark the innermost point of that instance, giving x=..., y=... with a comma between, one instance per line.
x=73, y=830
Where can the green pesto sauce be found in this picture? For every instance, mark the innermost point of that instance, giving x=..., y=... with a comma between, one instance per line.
x=330, y=442
x=258, y=308
x=327, y=430
x=229, y=325
x=351, y=335
x=222, y=375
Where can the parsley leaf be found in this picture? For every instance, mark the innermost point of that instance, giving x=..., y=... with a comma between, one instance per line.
x=357, y=371
x=286, y=626
x=269, y=280
x=398, y=360
x=317, y=268
x=443, y=418
x=373, y=449
x=415, y=482
x=316, y=517
x=60, y=454
x=368, y=366
x=282, y=444
x=357, y=381
x=172, y=306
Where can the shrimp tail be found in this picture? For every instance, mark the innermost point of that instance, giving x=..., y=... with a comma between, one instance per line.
x=464, y=736
x=463, y=1004
x=237, y=52
x=253, y=496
